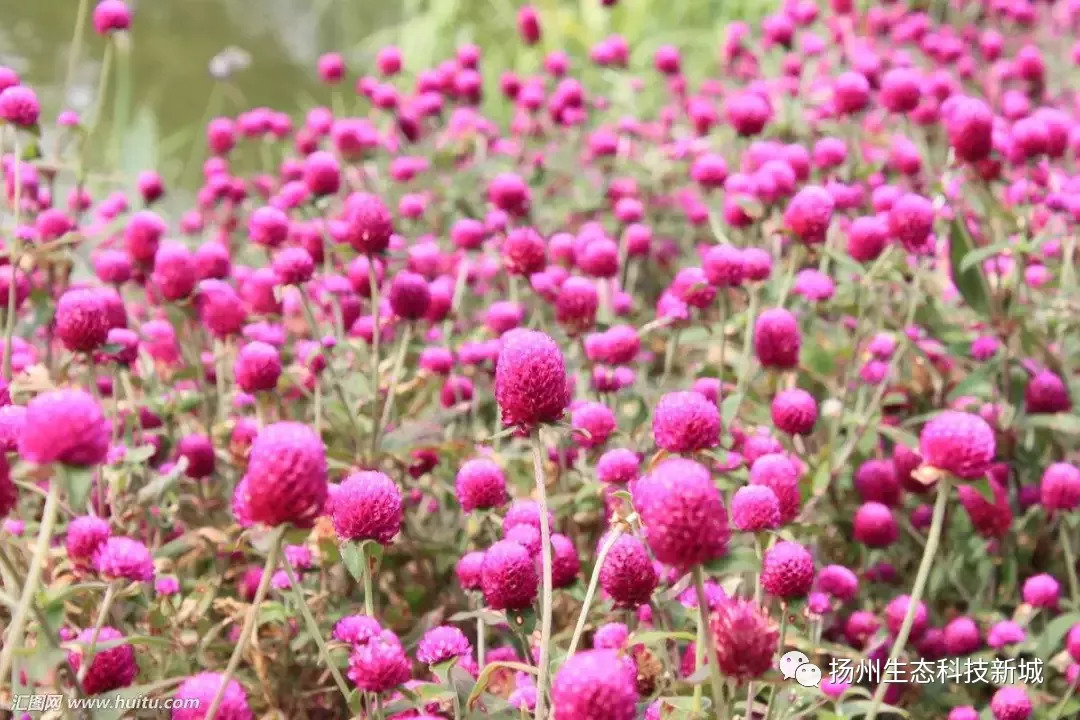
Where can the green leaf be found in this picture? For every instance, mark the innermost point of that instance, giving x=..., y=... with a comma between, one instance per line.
x=490, y=617
x=728, y=406
x=656, y=637
x=969, y=282
x=976, y=256
x=1058, y=422
x=740, y=559
x=898, y=436
x=485, y=677
x=983, y=487
x=133, y=693
x=858, y=708
x=78, y=481
x=1052, y=636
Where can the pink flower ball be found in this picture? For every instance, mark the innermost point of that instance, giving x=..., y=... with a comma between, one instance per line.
x=410, y=295
x=777, y=339
x=964, y=712
x=911, y=221
x=787, y=570
x=867, y=237
x=685, y=422
x=442, y=643
x=110, y=16
x=527, y=537
x=85, y=534
x=368, y=506
x=1042, y=591
x=524, y=251
x=124, y=558
x=530, y=379
x=469, y=570
x=683, y=512
x=142, y=235
x=174, y=271
x=565, y=563
x=901, y=90
x=293, y=265
x=778, y=473
x=199, y=451
x=1046, y=393
x=839, y=582
x=368, y=223
x=380, y=664
x=894, y=616
x=331, y=67
x=794, y=411
x=65, y=426
x=595, y=423
x=286, y=475
x=576, y=304
x=748, y=112
x=257, y=367
x=745, y=639
x=321, y=173
x=595, y=685
x=81, y=319
x=875, y=526
x=970, y=123
x=962, y=636
x=628, y=575
x=851, y=92
x=509, y=192
x=480, y=484
x=757, y=264
x=203, y=688
x=755, y=508
x=111, y=668
x=508, y=576
x=1011, y=703
x=809, y=213
x=618, y=466
x=1060, y=488
x=528, y=23
x=959, y=443
x=876, y=481
x=1005, y=633
x=19, y=106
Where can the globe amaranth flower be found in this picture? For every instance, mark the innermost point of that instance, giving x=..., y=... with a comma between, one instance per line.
x=744, y=638
x=794, y=411
x=628, y=575
x=508, y=576
x=1011, y=703
x=777, y=339
x=203, y=688
x=110, y=668
x=755, y=508
x=368, y=506
x=356, y=629
x=618, y=466
x=124, y=558
x=82, y=319
x=530, y=379
x=685, y=421
x=442, y=643
x=257, y=367
x=380, y=664
x=779, y=474
x=683, y=513
x=480, y=484
x=594, y=421
x=595, y=685
x=959, y=443
x=286, y=475
x=1060, y=487
x=787, y=570
x=65, y=426
x=85, y=534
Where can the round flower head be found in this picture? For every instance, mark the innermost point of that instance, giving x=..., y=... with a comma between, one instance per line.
x=777, y=339
x=755, y=508
x=964, y=712
x=838, y=581
x=199, y=451
x=368, y=223
x=876, y=481
x=524, y=252
x=724, y=265
x=611, y=636
x=469, y=570
x=683, y=513
x=1004, y=633
x=380, y=664
x=111, y=668
x=576, y=304
x=990, y=519
x=959, y=443
x=565, y=563
x=970, y=124
x=530, y=379
x=65, y=426
x=9, y=494
x=595, y=685
x=1060, y=488
x=257, y=367
x=628, y=575
x=410, y=295
x=1011, y=703
x=618, y=466
x=293, y=265
x=508, y=576
x=794, y=411
x=356, y=629
x=685, y=421
x=527, y=537
x=441, y=643
x=745, y=639
x=19, y=105
x=480, y=484
x=524, y=512
x=286, y=475
x=174, y=271
x=368, y=506
x=111, y=16
x=1046, y=393
x=897, y=609
x=787, y=570
x=962, y=636
x=867, y=237
x=1042, y=591
x=911, y=220
x=85, y=534
x=202, y=689
x=595, y=422
x=776, y=472
x=875, y=525
x=82, y=319
x=692, y=287
x=124, y=558
x=809, y=213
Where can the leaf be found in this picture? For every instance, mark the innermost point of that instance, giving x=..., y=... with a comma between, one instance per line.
x=740, y=560
x=1058, y=422
x=118, y=709
x=78, y=481
x=969, y=282
x=898, y=436
x=1055, y=631
x=657, y=637
x=858, y=708
x=983, y=487
x=490, y=617
x=157, y=487
x=485, y=676
x=977, y=255
x=728, y=406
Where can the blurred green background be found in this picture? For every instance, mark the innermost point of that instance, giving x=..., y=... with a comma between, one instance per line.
x=155, y=119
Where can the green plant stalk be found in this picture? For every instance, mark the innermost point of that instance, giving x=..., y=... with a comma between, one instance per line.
x=13, y=259
x=33, y=577
x=669, y=356
x=1060, y=707
x=545, y=599
x=373, y=285
x=699, y=659
x=313, y=629
x=748, y=341
x=1070, y=562
x=722, y=325
x=369, y=593
x=75, y=50
x=780, y=646
x=335, y=379
x=248, y=628
x=481, y=642
x=591, y=591
x=395, y=375
x=103, y=612
x=932, y=540
x=717, y=682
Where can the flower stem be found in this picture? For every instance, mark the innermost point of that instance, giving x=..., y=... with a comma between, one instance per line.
x=395, y=373
x=249, y=620
x=369, y=593
x=1060, y=707
x=593, y=582
x=335, y=379
x=313, y=628
x=103, y=612
x=373, y=285
x=33, y=577
x=717, y=682
x=932, y=540
x=545, y=600
x=1070, y=562
x=13, y=260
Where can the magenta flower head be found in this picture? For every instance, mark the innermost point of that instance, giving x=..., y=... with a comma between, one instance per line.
x=442, y=643
x=508, y=576
x=509, y=193
x=576, y=305
x=19, y=106
x=794, y=411
x=111, y=16
x=961, y=636
x=755, y=508
x=875, y=526
x=469, y=570
x=1046, y=393
x=257, y=367
x=628, y=575
x=85, y=534
x=1042, y=591
x=897, y=609
x=368, y=223
x=685, y=519
x=530, y=379
x=724, y=266
x=618, y=466
x=9, y=494
x=199, y=451
x=123, y=558
x=565, y=563
x=959, y=443
x=970, y=123
x=286, y=475
x=1004, y=633
x=1011, y=703
x=174, y=271
x=480, y=484
x=595, y=422
x=528, y=22
x=203, y=688
x=410, y=295
x=685, y=422
x=293, y=265
x=809, y=213
x=65, y=426
x=745, y=639
x=524, y=251
x=81, y=319
x=911, y=220
x=112, y=668
x=964, y=712
x=777, y=339
x=778, y=473
x=380, y=664
x=787, y=570
x=356, y=629
x=1060, y=488
x=867, y=237
x=368, y=506
x=595, y=685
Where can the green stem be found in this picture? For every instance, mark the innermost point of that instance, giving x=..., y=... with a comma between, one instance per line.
x=369, y=593
x=33, y=577
x=1070, y=562
x=780, y=644
x=932, y=540
x=248, y=629
x=373, y=284
x=103, y=612
x=1060, y=707
x=335, y=379
x=669, y=356
x=395, y=373
x=313, y=629
x=545, y=600
x=76, y=46
x=13, y=260
x=717, y=682
x=748, y=341
x=594, y=580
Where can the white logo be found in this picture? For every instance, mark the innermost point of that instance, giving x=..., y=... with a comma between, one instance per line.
x=795, y=664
